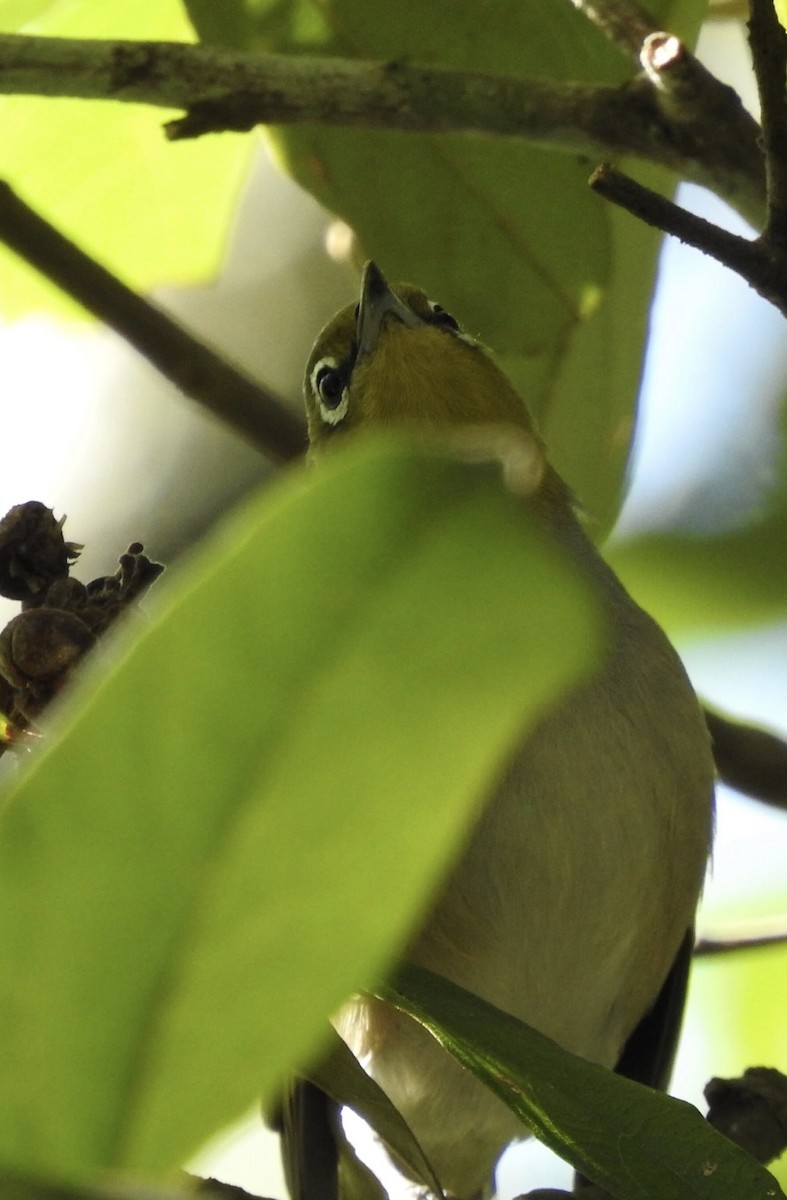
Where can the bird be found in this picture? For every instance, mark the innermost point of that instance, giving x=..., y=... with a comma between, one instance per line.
x=572, y=904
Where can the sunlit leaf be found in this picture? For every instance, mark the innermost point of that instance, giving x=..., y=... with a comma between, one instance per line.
x=152, y=211
x=236, y=828
x=689, y=582
x=627, y=1138
x=16, y=15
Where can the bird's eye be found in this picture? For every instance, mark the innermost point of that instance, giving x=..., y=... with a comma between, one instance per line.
x=329, y=385
x=441, y=317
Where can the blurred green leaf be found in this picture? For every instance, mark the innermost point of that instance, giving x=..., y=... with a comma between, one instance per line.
x=709, y=583
x=505, y=235
x=238, y=826
x=689, y=582
x=627, y=1138
x=17, y=1187
x=151, y=211
x=16, y=14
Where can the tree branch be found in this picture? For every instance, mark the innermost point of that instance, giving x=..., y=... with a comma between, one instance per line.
x=706, y=947
x=762, y=262
x=768, y=42
x=755, y=260
x=192, y=366
x=751, y=760
x=223, y=90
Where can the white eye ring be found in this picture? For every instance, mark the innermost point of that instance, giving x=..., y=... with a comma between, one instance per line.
x=331, y=411
x=442, y=318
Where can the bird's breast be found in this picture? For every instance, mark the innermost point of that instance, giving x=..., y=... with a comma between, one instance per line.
x=574, y=891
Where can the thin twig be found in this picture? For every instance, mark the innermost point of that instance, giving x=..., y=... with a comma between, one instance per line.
x=751, y=760
x=219, y=89
x=768, y=42
x=706, y=947
x=250, y=409
x=750, y=259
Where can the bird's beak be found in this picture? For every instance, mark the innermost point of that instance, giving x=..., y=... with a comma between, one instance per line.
x=377, y=302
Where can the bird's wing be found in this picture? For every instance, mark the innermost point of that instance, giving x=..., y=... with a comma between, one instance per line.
x=307, y=1123
x=649, y=1053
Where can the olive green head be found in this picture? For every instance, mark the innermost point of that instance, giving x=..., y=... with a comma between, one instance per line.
x=397, y=358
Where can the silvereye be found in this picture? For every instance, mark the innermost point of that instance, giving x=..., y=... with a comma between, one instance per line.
x=573, y=903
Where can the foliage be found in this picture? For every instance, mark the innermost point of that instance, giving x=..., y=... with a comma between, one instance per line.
x=195, y=839
x=153, y=213
x=560, y=301
x=216, y=850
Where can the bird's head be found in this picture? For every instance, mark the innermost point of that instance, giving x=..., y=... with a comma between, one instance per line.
x=397, y=359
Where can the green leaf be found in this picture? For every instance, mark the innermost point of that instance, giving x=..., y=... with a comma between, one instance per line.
x=507, y=236
x=239, y=825
x=690, y=582
x=15, y=15
x=151, y=211
x=714, y=582
x=17, y=1187
x=631, y=1140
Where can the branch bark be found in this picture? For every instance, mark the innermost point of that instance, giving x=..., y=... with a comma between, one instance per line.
x=749, y=759
x=757, y=261
x=768, y=43
x=220, y=90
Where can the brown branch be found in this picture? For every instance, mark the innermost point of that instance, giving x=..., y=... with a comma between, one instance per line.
x=708, y=947
x=220, y=90
x=250, y=409
x=768, y=42
x=688, y=92
x=751, y=760
x=752, y=260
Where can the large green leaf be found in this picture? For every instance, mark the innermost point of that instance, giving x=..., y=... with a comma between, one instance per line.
x=151, y=211
x=703, y=583
x=632, y=1141
x=236, y=827
x=505, y=235
x=16, y=14
x=17, y=1187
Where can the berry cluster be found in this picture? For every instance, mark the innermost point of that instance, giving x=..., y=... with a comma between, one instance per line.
x=61, y=617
